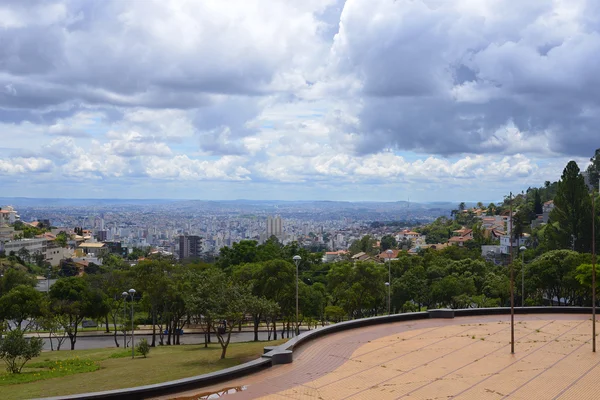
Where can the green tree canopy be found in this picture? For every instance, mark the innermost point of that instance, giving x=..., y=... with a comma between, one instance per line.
x=71, y=300
x=572, y=228
x=21, y=305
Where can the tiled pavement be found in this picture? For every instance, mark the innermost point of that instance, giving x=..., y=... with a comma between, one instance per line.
x=463, y=358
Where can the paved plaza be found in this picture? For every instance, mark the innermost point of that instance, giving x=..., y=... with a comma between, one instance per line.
x=461, y=358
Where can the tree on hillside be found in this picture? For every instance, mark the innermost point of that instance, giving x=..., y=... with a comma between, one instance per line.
x=593, y=169
x=13, y=278
x=388, y=242
x=571, y=228
x=537, y=203
x=366, y=244
x=555, y=275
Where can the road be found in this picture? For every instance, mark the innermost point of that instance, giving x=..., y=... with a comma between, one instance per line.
x=98, y=342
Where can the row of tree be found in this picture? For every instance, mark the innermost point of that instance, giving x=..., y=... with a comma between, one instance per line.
x=257, y=283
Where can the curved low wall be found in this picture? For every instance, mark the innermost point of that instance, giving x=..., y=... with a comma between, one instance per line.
x=270, y=358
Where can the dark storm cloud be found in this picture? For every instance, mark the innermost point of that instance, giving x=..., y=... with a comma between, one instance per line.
x=444, y=77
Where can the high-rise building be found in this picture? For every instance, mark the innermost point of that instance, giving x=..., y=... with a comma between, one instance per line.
x=274, y=227
x=190, y=246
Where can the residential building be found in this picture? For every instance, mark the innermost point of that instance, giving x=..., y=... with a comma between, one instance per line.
x=31, y=245
x=190, y=246
x=275, y=227
x=92, y=249
x=8, y=216
x=461, y=236
x=334, y=256
x=116, y=248
x=383, y=256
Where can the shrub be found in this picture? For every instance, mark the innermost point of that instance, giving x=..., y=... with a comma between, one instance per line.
x=16, y=350
x=143, y=347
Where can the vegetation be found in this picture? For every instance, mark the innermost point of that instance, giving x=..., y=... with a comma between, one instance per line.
x=62, y=373
x=256, y=283
x=143, y=347
x=16, y=350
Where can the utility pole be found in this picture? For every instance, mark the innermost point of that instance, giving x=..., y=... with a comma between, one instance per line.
x=512, y=282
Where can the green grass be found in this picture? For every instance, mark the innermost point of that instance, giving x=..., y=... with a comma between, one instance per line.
x=49, y=369
x=69, y=372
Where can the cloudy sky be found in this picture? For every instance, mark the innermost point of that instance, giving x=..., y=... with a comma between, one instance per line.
x=295, y=99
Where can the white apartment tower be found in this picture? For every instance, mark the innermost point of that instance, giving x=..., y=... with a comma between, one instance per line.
x=274, y=227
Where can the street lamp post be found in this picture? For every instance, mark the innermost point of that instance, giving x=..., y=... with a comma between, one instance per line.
x=124, y=294
x=132, y=293
x=297, y=260
x=523, y=248
x=389, y=253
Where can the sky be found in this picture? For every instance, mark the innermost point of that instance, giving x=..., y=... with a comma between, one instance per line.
x=356, y=100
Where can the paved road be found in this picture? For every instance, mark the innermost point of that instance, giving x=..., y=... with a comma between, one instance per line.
x=97, y=342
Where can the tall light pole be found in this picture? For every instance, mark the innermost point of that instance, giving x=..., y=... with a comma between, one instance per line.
x=389, y=253
x=593, y=272
x=48, y=280
x=522, y=248
x=512, y=282
x=132, y=293
x=124, y=295
x=297, y=260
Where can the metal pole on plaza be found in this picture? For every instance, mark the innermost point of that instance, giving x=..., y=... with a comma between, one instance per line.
x=389, y=253
x=512, y=284
x=297, y=262
x=124, y=294
x=593, y=276
x=523, y=248
x=132, y=293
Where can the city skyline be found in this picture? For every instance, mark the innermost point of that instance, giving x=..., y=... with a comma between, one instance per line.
x=341, y=100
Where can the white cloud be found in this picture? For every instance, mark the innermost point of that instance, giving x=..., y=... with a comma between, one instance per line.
x=414, y=94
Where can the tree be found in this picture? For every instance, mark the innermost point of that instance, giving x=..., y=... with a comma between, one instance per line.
x=61, y=239
x=538, y=207
x=72, y=300
x=152, y=280
x=221, y=300
x=366, y=244
x=359, y=289
x=143, y=347
x=68, y=268
x=593, y=169
x=571, y=227
x=388, y=242
x=112, y=283
x=13, y=278
x=242, y=252
x=21, y=305
x=273, y=280
x=259, y=308
x=24, y=254
x=16, y=350
x=334, y=313
x=555, y=274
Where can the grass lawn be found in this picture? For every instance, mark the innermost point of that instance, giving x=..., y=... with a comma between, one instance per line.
x=69, y=372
